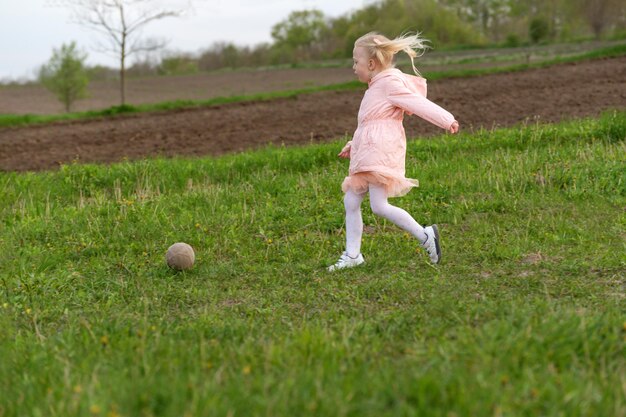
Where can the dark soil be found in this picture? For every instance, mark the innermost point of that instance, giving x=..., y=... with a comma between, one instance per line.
x=542, y=95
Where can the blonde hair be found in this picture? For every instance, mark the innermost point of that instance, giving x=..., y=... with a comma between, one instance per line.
x=384, y=49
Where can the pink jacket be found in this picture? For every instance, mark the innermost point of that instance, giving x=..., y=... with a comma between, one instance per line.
x=379, y=143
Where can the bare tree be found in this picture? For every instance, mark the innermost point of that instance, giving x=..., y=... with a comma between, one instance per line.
x=120, y=22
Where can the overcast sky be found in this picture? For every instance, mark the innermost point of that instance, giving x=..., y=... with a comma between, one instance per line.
x=30, y=29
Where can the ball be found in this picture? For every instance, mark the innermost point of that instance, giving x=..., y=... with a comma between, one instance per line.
x=180, y=256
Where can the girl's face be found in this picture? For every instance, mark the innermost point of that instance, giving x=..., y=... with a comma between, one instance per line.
x=362, y=64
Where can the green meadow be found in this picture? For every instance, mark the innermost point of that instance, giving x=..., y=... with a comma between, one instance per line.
x=526, y=315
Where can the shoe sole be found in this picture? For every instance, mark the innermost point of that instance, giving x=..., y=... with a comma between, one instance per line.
x=343, y=268
x=437, y=248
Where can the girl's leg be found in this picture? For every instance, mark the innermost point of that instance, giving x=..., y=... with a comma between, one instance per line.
x=354, y=222
x=381, y=207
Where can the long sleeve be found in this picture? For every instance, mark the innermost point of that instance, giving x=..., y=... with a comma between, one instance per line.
x=412, y=102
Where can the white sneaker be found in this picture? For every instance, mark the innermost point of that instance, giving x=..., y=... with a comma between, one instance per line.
x=346, y=261
x=431, y=244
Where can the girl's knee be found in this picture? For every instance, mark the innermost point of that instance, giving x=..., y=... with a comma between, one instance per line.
x=379, y=208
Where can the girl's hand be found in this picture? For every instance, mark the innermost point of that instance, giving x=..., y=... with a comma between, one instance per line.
x=454, y=127
x=345, y=152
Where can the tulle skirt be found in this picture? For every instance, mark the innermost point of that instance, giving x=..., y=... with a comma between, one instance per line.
x=395, y=187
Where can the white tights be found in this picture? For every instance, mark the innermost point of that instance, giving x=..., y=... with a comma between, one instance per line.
x=380, y=207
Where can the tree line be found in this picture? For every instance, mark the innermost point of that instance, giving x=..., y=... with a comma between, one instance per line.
x=310, y=35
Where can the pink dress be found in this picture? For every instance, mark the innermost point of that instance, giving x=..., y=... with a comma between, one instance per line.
x=378, y=147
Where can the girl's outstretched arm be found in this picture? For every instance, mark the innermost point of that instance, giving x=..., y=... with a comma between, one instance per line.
x=415, y=103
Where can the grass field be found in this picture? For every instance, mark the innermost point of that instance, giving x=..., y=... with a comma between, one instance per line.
x=526, y=315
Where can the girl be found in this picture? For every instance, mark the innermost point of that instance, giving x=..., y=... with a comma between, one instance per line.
x=378, y=147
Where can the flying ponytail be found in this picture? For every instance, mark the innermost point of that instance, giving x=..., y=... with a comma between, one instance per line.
x=384, y=49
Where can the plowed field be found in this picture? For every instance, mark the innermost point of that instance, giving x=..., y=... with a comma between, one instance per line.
x=540, y=95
